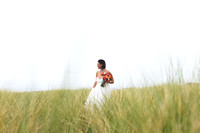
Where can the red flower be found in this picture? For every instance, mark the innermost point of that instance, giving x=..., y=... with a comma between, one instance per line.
x=106, y=78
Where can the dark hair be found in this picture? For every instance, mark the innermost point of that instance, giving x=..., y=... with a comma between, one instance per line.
x=101, y=61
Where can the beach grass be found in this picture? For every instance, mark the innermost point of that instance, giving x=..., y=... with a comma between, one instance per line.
x=166, y=108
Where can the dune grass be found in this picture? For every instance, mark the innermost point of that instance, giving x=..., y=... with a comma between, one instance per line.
x=163, y=108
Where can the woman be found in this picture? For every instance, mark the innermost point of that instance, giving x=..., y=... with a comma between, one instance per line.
x=99, y=93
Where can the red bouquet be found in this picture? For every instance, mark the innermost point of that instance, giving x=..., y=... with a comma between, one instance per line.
x=106, y=78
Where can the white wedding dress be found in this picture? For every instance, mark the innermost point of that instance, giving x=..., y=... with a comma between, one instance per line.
x=98, y=94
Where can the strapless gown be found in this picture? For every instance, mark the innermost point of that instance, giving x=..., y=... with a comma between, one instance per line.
x=98, y=94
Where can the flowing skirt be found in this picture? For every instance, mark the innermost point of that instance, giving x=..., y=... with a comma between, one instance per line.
x=98, y=95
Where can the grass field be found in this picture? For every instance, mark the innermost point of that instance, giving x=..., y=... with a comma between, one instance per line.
x=163, y=108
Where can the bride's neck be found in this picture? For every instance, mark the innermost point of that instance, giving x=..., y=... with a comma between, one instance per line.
x=102, y=70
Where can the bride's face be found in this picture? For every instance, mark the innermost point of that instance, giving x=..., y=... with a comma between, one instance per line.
x=99, y=65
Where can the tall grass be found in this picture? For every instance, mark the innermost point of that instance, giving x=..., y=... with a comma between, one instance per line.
x=161, y=108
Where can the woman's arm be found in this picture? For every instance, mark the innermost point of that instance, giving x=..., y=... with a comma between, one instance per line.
x=95, y=83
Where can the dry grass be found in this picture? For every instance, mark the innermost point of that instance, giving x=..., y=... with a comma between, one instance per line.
x=162, y=108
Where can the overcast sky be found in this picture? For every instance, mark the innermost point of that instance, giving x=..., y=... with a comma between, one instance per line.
x=55, y=43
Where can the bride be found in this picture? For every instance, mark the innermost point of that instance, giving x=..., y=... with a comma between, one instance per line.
x=98, y=93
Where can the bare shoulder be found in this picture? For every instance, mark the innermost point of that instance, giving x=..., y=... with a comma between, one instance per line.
x=97, y=73
x=108, y=72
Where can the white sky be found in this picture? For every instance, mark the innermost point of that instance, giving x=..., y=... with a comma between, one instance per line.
x=41, y=39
